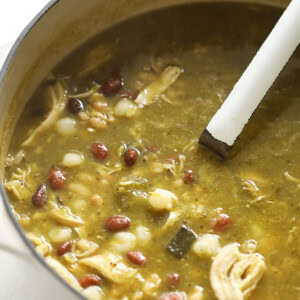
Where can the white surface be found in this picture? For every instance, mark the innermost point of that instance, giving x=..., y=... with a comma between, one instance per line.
x=246, y=95
x=22, y=276
x=14, y=16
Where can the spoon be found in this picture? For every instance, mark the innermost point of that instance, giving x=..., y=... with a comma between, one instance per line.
x=229, y=121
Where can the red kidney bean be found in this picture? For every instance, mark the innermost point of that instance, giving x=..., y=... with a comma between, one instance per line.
x=75, y=105
x=111, y=86
x=40, y=196
x=64, y=248
x=89, y=280
x=189, y=176
x=130, y=157
x=173, y=296
x=222, y=223
x=173, y=279
x=99, y=150
x=136, y=257
x=117, y=223
x=56, y=179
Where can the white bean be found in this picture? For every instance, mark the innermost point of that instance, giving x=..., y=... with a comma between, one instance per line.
x=143, y=234
x=207, y=245
x=162, y=199
x=93, y=293
x=86, y=178
x=72, y=159
x=123, y=241
x=66, y=126
x=125, y=108
x=80, y=189
x=78, y=205
x=60, y=235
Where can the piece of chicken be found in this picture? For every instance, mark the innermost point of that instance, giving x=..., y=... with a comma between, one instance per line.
x=234, y=275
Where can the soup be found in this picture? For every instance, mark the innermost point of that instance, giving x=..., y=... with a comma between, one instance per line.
x=108, y=180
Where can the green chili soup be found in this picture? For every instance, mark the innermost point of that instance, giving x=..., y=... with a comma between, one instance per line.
x=107, y=178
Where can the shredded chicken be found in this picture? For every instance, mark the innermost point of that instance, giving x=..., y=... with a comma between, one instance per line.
x=104, y=170
x=110, y=266
x=58, y=102
x=130, y=184
x=63, y=273
x=63, y=215
x=132, y=188
x=173, y=217
x=191, y=146
x=87, y=94
x=42, y=247
x=21, y=184
x=175, y=168
x=85, y=248
x=14, y=160
x=158, y=86
x=151, y=285
x=249, y=246
x=234, y=275
x=70, y=258
x=252, y=189
x=253, y=175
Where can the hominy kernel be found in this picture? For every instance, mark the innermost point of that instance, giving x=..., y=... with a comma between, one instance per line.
x=59, y=235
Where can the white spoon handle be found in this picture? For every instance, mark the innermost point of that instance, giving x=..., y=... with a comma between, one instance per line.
x=237, y=109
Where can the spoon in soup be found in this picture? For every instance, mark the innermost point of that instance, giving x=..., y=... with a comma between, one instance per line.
x=229, y=121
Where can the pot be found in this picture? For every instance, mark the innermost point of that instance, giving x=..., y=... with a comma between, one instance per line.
x=55, y=32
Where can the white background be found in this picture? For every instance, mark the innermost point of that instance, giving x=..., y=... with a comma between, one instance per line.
x=14, y=16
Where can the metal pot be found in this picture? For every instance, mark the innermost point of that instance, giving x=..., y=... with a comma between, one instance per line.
x=55, y=32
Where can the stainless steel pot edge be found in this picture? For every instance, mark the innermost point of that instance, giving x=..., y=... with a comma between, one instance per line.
x=3, y=195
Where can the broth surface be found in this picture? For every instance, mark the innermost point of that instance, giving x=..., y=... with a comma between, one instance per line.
x=251, y=199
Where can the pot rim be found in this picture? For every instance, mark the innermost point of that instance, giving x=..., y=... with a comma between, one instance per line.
x=3, y=194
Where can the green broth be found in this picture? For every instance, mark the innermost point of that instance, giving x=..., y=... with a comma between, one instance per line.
x=212, y=43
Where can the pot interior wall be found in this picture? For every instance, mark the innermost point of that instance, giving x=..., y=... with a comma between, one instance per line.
x=63, y=28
